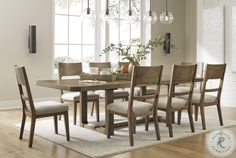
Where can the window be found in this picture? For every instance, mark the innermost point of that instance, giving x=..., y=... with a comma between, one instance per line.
x=78, y=40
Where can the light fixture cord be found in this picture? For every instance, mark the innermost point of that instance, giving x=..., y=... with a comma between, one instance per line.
x=107, y=10
x=166, y=8
x=88, y=9
x=130, y=11
x=150, y=11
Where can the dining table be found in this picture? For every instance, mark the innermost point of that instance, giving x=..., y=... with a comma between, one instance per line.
x=83, y=86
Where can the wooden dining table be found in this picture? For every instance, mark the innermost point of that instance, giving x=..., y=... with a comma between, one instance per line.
x=83, y=86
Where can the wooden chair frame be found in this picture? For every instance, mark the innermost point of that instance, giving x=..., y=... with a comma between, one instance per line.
x=213, y=72
x=180, y=74
x=29, y=109
x=75, y=69
x=141, y=76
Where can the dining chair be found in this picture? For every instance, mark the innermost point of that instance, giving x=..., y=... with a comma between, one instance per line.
x=36, y=110
x=181, y=74
x=119, y=93
x=197, y=86
x=73, y=71
x=141, y=76
x=214, y=74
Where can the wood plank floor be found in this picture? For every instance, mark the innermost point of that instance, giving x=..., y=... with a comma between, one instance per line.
x=12, y=147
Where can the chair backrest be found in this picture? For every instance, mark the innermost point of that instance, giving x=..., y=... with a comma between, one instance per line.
x=24, y=90
x=69, y=69
x=200, y=67
x=214, y=72
x=145, y=76
x=182, y=74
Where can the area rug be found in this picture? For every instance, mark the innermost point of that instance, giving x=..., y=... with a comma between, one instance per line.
x=95, y=144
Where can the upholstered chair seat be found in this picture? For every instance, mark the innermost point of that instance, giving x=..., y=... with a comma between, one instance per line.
x=138, y=107
x=47, y=107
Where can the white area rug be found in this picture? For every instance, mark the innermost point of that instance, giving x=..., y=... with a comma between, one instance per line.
x=94, y=144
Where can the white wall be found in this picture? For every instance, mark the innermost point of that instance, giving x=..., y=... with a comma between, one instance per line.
x=177, y=30
x=229, y=88
x=190, y=31
x=15, y=17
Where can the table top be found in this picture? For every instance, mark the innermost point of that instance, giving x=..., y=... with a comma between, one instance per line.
x=86, y=85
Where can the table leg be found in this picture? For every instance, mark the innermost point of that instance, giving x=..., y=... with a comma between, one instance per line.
x=109, y=99
x=83, y=108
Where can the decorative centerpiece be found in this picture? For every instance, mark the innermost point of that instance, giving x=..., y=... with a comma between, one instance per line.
x=141, y=53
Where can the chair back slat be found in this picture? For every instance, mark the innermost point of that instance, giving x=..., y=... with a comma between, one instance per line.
x=24, y=90
x=215, y=71
x=69, y=69
x=146, y=75
x=183, y=73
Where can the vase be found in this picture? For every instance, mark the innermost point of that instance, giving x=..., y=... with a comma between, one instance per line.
x=131, y=65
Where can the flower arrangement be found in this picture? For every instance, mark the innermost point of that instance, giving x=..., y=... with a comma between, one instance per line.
x=142, y=49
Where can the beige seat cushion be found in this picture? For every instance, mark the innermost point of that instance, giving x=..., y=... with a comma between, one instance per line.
x=176, y=102
x=184, y=89
x=47, y=107
x=196, y=98
x=138, y=107
x=76, y=96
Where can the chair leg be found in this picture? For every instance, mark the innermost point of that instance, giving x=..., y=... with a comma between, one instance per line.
x=92, y=109
x=190, y=116
x=55, y=124
x=66, y=120
x=33, y=120
x=196, y=112
x=220, y=114
x=109, y=124
x=169, y=120
x=155, y=119
x=22, y=126
x=75, y=112
x=173, y=117
x=130, y=125
x=203, y=117
x=179, y=116
x=146, y=122
x=97, y=110
x=134, y=125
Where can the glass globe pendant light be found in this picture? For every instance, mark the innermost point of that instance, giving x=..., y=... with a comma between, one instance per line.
x=130, y=16
x=106, y=14
x=88, y=13
x=166, y=17
x=150, y=17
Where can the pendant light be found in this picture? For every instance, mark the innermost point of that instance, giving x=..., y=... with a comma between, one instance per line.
x=106, y=14
x=150, y=17
x=130, y=16
x=166, y=17
x=88, y=13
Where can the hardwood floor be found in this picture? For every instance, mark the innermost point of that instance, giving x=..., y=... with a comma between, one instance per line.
x=12, y=147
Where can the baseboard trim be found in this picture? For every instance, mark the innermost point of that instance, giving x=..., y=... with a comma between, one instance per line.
x=13, y=104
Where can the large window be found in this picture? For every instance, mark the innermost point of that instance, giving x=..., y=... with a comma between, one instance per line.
x=78, y=40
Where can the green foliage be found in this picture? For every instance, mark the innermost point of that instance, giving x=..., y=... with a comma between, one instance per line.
x=142, y=49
